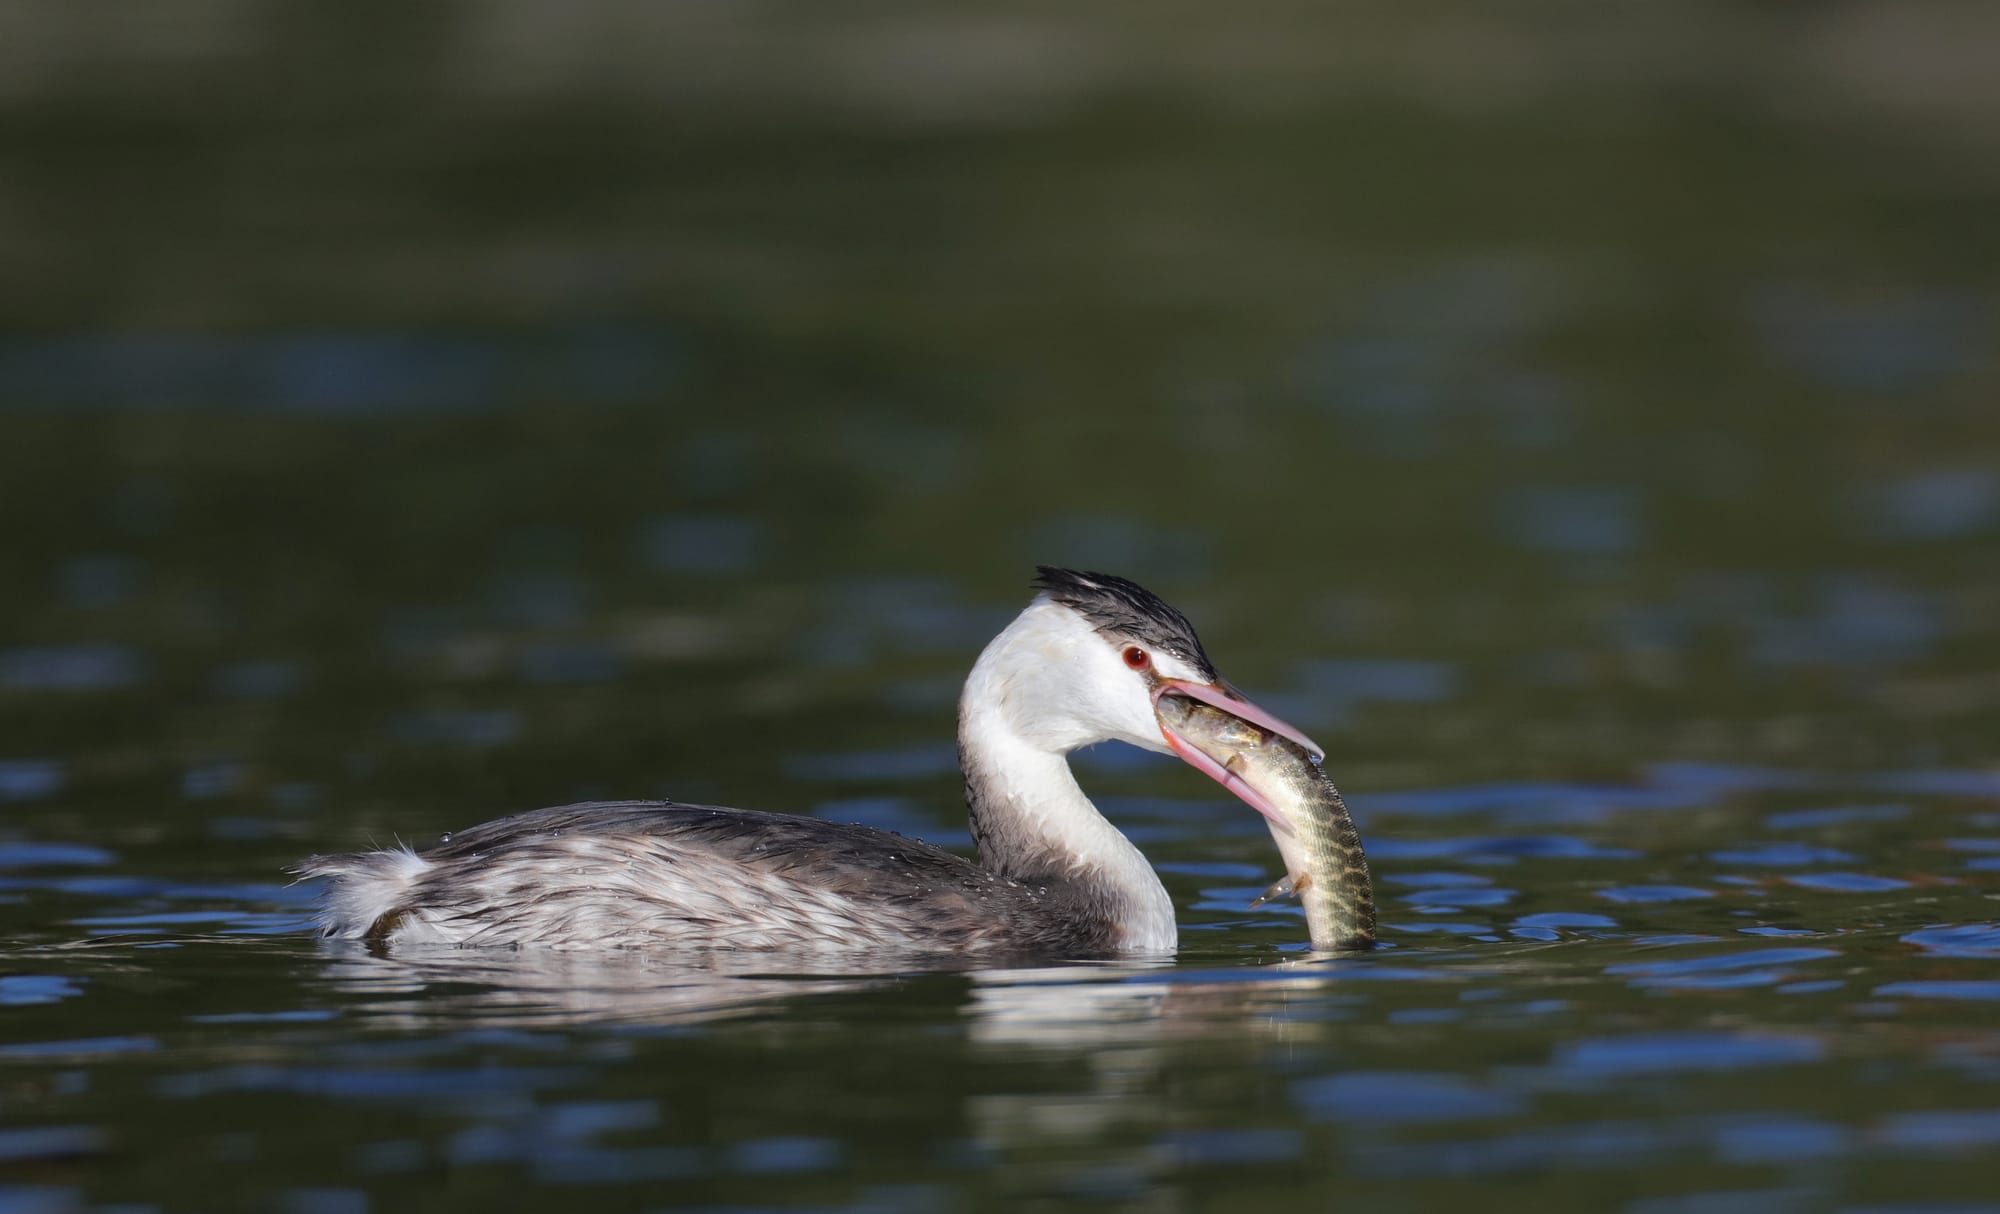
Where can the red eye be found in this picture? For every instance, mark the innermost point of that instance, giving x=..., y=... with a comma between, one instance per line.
x=1137, y=658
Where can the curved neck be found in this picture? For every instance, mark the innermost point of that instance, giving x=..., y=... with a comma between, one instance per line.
x=1033, y=823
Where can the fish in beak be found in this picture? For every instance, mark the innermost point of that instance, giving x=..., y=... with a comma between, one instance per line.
x=1223, y=697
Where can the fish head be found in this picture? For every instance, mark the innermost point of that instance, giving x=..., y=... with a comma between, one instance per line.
x=1212, y=726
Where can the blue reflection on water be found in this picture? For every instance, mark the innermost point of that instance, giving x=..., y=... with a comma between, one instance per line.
x=83, y=1048
x=208, y=780
x=786, y=1154
x=69, y=668
x=1434, y=880
x=1433, y=901
x=1759, y=967
x=1594, y=1144
x=24, y=990
x=1847, y=883
x=1982, y=989
x=901, y=763
x=370, y=1084
x=899, y=814
x=1961, y=940
x=1942, y=503
x=1654, y=893
x=1943, y=1130
x=1540, y=847
x=31, y=855
x=339, y=372
x=538, y=599
x=1598, y=520
x=1208, y=1148
x=1879, y=343
x=865, y=618
x=1336, y=683
x=1532, y=802
x=1109, y=541
x=1936, y=782
x=1713, y=779
x=48, y=1142
x=1730, y=1201
x=1659, y=1053
x=1843, y=815
x=575, y=662
x=1855, y=620
x=1777, y=1138
x=1559, y=919
x=1782, y=854
x=26, y=779
x=97, y=581
x=320, y=1200
x=259, y=680
x=472, y=727
x=703, y=545
x=1402, y=1097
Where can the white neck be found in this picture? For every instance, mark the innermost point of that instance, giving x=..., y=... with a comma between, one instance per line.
x=1033, y=822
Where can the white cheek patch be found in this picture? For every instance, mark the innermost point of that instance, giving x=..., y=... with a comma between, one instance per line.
x=1062, y=684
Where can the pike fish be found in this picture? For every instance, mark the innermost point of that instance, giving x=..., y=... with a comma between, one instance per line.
x=1324, y=865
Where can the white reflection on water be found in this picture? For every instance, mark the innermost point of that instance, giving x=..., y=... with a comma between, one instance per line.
x=1090, y=1004
x=424, y=987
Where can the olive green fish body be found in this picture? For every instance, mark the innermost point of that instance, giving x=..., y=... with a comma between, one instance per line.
x=1325, y=865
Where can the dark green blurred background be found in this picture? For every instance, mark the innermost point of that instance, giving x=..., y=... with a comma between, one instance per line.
x=1634, y=362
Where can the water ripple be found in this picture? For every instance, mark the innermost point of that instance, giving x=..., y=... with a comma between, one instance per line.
x=24, y=990
x=1962, y=940
x=1759, y=967
x=1446, y=899
x=1654, y=893
x=69, y=668
x=1402, y=1098
x=1665, y=1053
x=1985, y=990
x=1842, y=815
x=33, y=855
x=1559, y=919
x=1538, y=847
x=1941, y=1130
x=48, y=1142
x=1783, y=854
x=27, y=779
x=1847, y=883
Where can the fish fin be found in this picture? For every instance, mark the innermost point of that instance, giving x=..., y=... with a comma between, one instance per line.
x=1285, y=887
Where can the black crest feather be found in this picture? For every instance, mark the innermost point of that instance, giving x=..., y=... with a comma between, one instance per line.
x=1126, y=610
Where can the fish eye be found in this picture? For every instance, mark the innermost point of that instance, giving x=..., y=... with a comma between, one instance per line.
x=1137, y=658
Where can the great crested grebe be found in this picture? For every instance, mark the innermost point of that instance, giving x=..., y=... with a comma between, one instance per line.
x=1088, y=661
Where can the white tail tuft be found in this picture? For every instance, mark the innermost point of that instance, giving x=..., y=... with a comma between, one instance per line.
x=363, y=887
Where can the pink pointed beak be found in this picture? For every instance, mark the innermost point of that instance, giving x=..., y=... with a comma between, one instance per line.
x=1225, y=697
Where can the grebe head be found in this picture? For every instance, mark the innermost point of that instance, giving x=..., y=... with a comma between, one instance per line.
x=1089, y=661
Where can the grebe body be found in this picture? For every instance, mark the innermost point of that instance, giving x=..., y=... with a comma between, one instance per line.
x=1087, y=661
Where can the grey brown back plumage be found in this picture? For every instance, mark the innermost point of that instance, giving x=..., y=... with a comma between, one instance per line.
x=634, y=872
